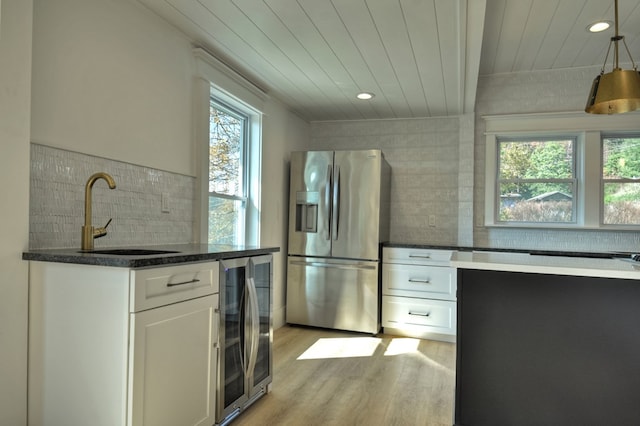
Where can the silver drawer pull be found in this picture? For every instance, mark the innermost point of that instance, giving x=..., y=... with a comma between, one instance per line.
x=420, y=314
x=420, y=256
x=195, y=280
x=419, y=280
x=333, y=265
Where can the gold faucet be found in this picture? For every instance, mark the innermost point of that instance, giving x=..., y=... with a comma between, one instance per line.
x=88, y=231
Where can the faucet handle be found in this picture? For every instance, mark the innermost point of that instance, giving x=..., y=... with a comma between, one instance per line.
x=101, y=232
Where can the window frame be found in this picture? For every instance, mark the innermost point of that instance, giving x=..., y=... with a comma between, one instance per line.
x=603, y=136
x=588, y=130
x=214, y=78
x=573, y=180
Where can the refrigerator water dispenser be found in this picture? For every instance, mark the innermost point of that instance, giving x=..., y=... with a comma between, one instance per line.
x=307, y=211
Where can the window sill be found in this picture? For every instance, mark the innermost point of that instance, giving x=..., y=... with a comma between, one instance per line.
x=565, y=226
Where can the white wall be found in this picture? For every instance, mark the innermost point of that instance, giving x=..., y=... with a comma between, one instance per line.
x=15, y=76
x=112, y=79
x=282, y=133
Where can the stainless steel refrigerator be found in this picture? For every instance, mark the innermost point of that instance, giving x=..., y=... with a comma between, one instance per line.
x=338, y=217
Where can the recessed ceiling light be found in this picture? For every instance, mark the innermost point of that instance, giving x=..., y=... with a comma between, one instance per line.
x=365, y=95
x=596, y=27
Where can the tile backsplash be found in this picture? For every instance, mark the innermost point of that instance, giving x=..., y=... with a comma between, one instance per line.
x=57, y=192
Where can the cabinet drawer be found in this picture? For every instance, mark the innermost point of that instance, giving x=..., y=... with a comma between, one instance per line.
x=419, y=281
x=161, y=286
x=419, y=315
x=418, y=256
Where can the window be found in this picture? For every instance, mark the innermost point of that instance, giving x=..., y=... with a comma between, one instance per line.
x=536, y=180
x=621, y=179
x=228, y=167
x=228, y=129
x=562, y=170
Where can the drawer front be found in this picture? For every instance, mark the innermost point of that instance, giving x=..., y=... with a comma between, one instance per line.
x=419, y=315
x=430, y=282
x=161, y=286
x=409, y=256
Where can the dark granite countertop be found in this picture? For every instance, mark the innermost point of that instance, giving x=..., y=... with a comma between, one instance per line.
x=180, y=253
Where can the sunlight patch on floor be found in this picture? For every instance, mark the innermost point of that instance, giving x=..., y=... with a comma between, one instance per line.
x=410, y=346
x=402, y=346
x=342, y=347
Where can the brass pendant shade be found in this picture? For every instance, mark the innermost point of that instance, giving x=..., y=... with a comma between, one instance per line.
x=617, y=91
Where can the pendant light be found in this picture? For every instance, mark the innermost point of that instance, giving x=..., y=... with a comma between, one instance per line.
x=617, y=91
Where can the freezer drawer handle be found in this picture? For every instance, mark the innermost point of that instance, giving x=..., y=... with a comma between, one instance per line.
x=418, y=280
x=420, y=256
x=332, y=265
x=195, y=280
x=420, y=314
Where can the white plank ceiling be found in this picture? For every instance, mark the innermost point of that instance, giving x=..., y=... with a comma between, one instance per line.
x=421, y=58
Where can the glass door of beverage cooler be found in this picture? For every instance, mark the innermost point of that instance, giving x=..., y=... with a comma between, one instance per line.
x=246, y=334
x=262, y=279
x=232, y=386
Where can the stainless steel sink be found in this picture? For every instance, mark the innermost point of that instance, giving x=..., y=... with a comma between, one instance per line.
x=128, y=252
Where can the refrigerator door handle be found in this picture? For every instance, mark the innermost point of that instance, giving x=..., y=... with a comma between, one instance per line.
x=327, y=198
x=331, y=265
x=336, y=204
x=255, y=325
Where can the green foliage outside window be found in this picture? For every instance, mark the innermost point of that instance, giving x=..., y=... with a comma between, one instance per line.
x=536, y=180
x=227, y=196
x=621, y=176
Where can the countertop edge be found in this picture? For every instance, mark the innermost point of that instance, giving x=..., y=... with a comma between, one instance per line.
x=554, y=262
x=189, y=254
x=552, y=265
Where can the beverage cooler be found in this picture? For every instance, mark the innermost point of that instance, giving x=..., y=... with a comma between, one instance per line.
x=246, y=334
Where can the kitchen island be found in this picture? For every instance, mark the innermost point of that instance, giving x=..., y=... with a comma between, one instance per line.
x=551, y=340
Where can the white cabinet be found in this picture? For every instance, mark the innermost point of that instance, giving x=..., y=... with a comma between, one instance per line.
x=172, y=353
x=419, y=293
x=117, y=346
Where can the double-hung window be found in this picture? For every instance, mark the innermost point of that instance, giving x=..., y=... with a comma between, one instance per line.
x=562, y=170
x=228, y=174
x=228, y=128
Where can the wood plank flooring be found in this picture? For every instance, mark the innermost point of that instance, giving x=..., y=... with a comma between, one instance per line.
x=391, y=380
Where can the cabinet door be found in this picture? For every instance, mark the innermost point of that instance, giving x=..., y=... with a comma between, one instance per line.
x=174, y=354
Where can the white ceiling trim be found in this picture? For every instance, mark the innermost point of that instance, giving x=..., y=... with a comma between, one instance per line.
x=227, y=80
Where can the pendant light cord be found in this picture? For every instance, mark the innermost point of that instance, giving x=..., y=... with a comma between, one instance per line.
x=617, y=37
x=614, y=40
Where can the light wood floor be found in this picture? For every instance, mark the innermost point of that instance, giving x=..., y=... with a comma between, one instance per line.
x=393, y=386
